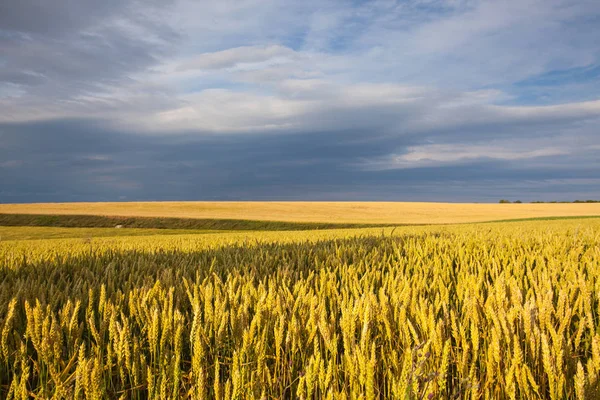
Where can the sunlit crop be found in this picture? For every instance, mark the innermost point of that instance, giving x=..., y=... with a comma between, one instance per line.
x=475, y=311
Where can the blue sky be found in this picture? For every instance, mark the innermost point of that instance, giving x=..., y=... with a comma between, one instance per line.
x=457, y=100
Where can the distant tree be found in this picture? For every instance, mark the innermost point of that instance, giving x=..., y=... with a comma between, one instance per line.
x=554, y=202
x=504, y=201
x=518, y=201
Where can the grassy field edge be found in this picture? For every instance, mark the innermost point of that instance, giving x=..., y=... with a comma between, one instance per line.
x=98, y=221
x=157, y=224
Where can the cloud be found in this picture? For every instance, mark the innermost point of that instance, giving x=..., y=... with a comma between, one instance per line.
x=11, y=163
x=315, y=105
x=53, y=55
x=53, y=19
x=108, y=164
x=238, y=56
x=278, y=99
x=448, y=154
x=482, y=42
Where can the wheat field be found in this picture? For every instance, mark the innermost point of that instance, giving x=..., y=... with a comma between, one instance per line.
x=329, y=212
x=481, y=311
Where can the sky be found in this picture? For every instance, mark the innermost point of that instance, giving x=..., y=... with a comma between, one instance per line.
x=408, y=100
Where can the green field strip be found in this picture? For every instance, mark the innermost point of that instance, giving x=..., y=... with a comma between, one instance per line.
x=97, y=221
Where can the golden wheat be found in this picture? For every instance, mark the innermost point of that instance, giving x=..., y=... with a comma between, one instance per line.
x=481, y=312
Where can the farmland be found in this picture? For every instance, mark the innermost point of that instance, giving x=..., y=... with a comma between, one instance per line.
x=324, y=212
x=491, y=310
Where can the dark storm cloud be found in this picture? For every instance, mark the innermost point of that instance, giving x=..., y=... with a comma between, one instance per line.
x=181, y=167
x=82, y=160
x=58, y=49
x=59, y=18
x=54, y=18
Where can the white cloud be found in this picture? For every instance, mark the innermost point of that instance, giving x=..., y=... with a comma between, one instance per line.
x=448, y=154
x=302, y=105
x=238, y=56
x=483, y=43
x=314, y=105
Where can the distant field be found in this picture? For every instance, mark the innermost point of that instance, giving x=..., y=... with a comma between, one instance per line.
x=324, y=212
